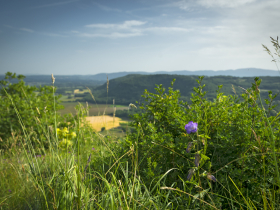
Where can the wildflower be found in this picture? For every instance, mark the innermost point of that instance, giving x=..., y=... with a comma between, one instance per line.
x=65, y=130
x=191, y=172
x=189, y=147
x=196, y=159
x=211, y=177
x=191, y=127
x=38, y=156
x=64, y=143
x=93, y=148
x=73, y=134
x=10, y=190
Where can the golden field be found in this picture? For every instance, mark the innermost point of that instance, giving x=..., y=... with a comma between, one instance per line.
x=97, y=122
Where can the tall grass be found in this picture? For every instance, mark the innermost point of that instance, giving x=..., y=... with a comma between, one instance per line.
x=87, y=175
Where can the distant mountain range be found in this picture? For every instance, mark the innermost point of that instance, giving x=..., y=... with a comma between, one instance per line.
x=246, y=72
x=102, y=77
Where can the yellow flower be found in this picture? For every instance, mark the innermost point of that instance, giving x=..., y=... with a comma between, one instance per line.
x=73, y=134
x=64, y=143
x=65, y=130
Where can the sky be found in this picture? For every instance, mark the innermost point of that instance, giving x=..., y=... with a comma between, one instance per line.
x=68, y=37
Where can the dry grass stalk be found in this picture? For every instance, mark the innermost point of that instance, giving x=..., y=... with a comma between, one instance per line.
x=107, y=84
x=132, y=105
x=53, y=79
x=233, y=89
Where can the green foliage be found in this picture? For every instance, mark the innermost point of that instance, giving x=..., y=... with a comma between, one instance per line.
x=232, y=138
x=22, y=106
x=150, y=168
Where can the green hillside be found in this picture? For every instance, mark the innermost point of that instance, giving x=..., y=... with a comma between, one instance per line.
x=129, y=89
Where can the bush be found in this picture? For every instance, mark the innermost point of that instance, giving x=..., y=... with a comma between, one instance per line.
x=232, y=138
x=22, y=106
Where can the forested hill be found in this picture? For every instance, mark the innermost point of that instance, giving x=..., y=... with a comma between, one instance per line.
x=129, y=89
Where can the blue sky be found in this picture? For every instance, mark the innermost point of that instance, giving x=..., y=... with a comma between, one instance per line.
x=94, y=36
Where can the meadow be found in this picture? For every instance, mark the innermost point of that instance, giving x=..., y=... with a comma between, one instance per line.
x=203, y=154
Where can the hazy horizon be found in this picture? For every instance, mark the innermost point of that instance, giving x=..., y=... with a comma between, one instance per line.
x=85, y=37
x=175, y=72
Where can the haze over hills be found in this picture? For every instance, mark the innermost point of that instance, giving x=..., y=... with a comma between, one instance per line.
x=245, y=72
x=102, y=77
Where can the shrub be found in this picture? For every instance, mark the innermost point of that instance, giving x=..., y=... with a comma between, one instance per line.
x=232, y=138
x=26, y=106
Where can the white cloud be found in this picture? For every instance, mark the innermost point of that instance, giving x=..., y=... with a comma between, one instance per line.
x=167, y=29
x=132, y=27
x=51, y=34
x=21, y=29
x=224, y=3
x=190, y=5
x=54, y=4
x=126, y=25
x=113, y=35
x=107, y=9
x=27, y=30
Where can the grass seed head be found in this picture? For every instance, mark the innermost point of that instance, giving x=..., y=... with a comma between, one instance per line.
x=132, y=105
x=53, y=79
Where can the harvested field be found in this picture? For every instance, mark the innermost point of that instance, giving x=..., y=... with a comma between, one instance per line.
x=77, y=91
x=97, y=122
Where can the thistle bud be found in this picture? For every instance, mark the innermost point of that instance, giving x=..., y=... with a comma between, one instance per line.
x=189, y=147
x=211, y=177
x=197, y=159
x=191, y=172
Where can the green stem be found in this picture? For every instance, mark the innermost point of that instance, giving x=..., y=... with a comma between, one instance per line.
x=272, y=142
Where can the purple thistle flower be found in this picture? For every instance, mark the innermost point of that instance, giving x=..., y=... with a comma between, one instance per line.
x=191, y=172
x=189, y=147
x=196, y=159
x=93, y=148
x=10, y=190
x=191, y=127
x=38, y=156
x=211, y=177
